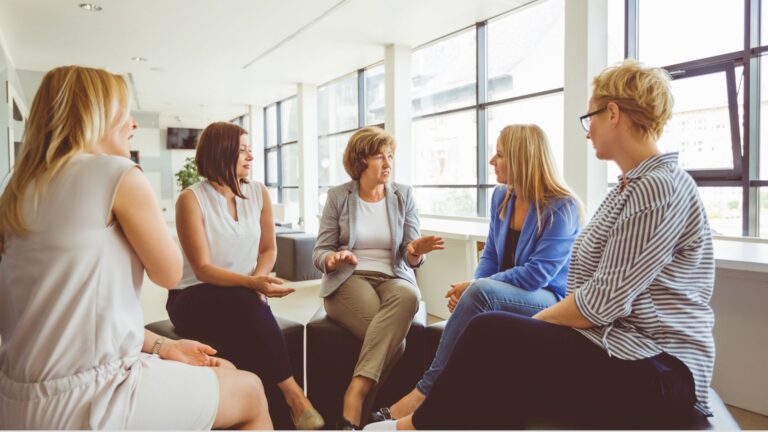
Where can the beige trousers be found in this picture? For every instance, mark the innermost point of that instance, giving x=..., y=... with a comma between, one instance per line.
x=377, y=309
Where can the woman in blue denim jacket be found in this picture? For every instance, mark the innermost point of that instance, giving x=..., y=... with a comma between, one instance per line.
x=534, y=220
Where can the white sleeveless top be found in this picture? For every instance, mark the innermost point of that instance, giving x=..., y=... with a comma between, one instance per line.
x=70, y=317
x=233, y=244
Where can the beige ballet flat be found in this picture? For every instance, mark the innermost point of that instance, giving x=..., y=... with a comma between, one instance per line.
x=310, y=419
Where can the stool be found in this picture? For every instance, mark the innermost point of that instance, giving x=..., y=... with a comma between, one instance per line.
x=294, y=257
x=293, y=333
x=332, y=353
x=721, y=419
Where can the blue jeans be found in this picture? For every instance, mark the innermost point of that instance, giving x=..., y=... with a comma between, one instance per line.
x=483, y=295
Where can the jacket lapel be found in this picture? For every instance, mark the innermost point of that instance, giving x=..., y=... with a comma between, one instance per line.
x=352, y=209
x=392, y=205
x=502, y=249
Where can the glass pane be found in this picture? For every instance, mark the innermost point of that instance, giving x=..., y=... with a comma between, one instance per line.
x=525, y=51
x=330, y=164
x=443, y=74
x=615, y=31
x=291, y=203
x=763, y=163
x=290, y=163
x=337, y=105
x=272, y=195
x=271, y=125
x=723, y=205
x=763, y=203
x=700, y=128
x=288, y=120
x=272, y=167
x=445, y=149
x=545, y=111
x=671, y=32
x=374, y=95
x=446, y=201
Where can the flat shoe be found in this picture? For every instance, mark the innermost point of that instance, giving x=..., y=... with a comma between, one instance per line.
x=310, y=419
x=381, y=415
x=345, y=424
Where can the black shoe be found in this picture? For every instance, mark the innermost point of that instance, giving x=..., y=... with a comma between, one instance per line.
x=345, y=424
x=381, y=415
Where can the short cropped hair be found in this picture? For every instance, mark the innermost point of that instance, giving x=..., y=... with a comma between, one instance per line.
x=218, y=150
x=362, y=144
x=643, y=93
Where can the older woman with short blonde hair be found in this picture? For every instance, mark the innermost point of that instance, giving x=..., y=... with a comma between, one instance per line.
x=368, y=245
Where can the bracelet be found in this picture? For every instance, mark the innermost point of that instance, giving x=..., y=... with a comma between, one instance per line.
x=156, y=346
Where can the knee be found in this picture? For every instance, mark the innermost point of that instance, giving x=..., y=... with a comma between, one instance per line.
x=477, y=292
x=254, y=388
x=408, y=299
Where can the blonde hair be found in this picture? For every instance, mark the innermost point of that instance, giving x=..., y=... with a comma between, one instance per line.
x=643, y=93
x=531, y=171
x=74, y=108
x=366, y=142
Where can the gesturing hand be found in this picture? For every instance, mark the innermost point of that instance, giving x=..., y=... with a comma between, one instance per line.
x=267, y=285
x=454, y=294
x=332, y=260
x=425, y=245
x=187, y=351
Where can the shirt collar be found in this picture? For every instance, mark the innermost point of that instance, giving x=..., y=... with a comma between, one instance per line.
x=649, y=165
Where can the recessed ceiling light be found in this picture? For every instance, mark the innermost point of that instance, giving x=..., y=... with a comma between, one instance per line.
x=90, y=7
x=139, y=59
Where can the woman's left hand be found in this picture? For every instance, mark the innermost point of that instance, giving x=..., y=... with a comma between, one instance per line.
x=187, y=351
x=425, y=245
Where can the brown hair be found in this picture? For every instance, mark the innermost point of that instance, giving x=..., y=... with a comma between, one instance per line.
x=73, y=110
x=643, y=93
x=531, y=170
x=218, y=149
x=362, y=144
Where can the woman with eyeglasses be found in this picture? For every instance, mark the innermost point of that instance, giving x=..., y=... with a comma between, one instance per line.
x=630, y=346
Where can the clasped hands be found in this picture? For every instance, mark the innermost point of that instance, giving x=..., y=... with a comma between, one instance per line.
x=416, y=248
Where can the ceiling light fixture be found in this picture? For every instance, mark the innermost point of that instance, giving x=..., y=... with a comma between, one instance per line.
x=90, y=7
x=139, y=59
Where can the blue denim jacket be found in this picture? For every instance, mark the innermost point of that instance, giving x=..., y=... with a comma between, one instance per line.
x=541, y=259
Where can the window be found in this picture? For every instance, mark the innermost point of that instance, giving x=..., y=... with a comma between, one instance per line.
x=467, y=86
x=345, y=105
x=281, y=157
x=722, y=140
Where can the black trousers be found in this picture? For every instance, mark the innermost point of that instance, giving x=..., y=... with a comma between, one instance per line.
x=511, y=372
x=241, y=327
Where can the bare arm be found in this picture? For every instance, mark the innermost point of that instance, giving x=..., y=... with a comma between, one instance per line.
x=138, y=213
x=267, y=244
x=565, y=313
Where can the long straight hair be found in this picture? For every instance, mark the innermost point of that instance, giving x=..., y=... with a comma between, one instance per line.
x=73, y=110
x=531, y=171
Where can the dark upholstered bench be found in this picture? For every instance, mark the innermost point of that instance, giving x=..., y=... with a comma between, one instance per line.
x=293, y=333
x=721, y=419
x=332, y=353
x=294, y=257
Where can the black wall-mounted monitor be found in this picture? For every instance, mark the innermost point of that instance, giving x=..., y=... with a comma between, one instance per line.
x=182, y=138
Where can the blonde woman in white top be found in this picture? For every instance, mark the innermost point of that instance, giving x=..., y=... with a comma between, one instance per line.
x=227, y=232
x=79, y=226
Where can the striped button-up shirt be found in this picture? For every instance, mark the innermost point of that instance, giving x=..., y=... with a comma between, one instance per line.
x=643, y=271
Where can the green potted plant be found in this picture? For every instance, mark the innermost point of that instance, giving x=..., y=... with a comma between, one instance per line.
x=187, y=175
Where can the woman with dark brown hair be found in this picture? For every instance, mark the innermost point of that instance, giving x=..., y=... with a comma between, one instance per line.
x=227, y=232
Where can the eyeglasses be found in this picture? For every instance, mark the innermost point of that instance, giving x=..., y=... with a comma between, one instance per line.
x=586, y=119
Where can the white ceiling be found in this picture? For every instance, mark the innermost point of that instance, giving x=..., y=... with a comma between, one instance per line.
x=197, y=49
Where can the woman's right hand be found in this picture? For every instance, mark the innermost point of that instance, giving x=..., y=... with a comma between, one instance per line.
x=454, y=294
x=332, y=260
x=268, y=286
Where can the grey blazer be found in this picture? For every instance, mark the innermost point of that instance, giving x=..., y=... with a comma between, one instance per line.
x=337, y=232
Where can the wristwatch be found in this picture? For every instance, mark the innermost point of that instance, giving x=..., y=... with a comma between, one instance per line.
x=156, y=346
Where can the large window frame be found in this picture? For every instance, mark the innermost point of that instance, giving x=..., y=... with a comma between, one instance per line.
x=744, y=146
x=481, y=106
x=278, y=148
